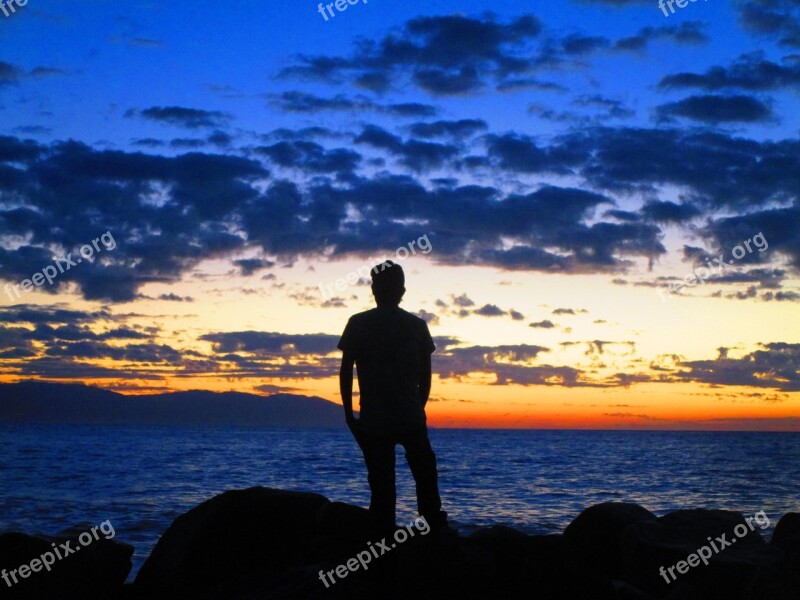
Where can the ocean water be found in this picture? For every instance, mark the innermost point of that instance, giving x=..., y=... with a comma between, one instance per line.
x=141, y=478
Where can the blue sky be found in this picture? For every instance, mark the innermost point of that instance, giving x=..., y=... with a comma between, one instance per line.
x=567, y=160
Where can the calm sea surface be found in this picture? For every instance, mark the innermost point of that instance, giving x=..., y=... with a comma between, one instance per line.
x=142, y=478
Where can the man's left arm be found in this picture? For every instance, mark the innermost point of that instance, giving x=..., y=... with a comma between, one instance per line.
x=425, y=380
x=426, y=348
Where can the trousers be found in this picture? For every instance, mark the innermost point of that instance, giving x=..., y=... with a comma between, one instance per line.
x=379, y=456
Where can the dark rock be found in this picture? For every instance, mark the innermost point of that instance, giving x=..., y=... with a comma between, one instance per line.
x=261, y=543
x=733, y=572
x=541, y=567
x=97, y=570
x=787, y=537
x=787, y=534
x=625, y=591
x=232, y=538
x=595, y=534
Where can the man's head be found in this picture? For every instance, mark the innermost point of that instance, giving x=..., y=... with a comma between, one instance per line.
x=388, y=283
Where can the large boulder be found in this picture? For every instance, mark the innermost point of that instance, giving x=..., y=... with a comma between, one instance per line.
x=539, y=567
x=95, y=570
x=787, y=534
x=787, y=537
x=595, y=534
x=230, y=539
x=740, y=567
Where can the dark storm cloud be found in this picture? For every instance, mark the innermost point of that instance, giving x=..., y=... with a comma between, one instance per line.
x=750, y=72
x=190, y=118
x=717, y=109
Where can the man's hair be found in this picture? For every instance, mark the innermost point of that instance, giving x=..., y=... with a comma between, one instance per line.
x=388, y=283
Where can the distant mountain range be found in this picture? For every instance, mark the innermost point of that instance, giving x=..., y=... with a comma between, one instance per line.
x=45, y=403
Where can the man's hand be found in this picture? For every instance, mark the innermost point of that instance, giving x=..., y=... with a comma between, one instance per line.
x=353, y=424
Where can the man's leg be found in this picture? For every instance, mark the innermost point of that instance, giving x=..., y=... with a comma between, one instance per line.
x=379, y=458
x=422, y=462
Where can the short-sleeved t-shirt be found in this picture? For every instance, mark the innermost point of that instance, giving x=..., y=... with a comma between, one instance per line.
x=389, y=345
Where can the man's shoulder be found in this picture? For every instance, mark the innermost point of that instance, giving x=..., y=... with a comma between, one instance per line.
x=377, y=314
x=363, y=316
x=412, y=318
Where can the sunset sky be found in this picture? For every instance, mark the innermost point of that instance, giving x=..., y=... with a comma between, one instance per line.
x=556, y=164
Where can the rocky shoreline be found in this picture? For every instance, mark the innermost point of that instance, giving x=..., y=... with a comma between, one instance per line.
x=267, y=543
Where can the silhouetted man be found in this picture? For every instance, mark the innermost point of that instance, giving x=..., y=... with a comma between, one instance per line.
x=392, y=352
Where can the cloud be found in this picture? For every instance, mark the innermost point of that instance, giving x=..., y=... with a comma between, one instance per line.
x=190, y=118
x=688, y=32
x=311, y=157
x=717, y=109
x=272, y=344
x=546, y=324
x=750, y=72
x=9, y=74
x=249, y=266
x=776, y=366
x=510, y=365
x=779, y=19
x=569, y=311
x=463, y=128
x=523, y=83
x=302, y=102
x=442, y=55
x=112, y=190
x=670, y=212
x=490, y=310
x=416, y=155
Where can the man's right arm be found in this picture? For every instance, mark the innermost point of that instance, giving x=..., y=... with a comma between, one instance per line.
x=346, y=387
